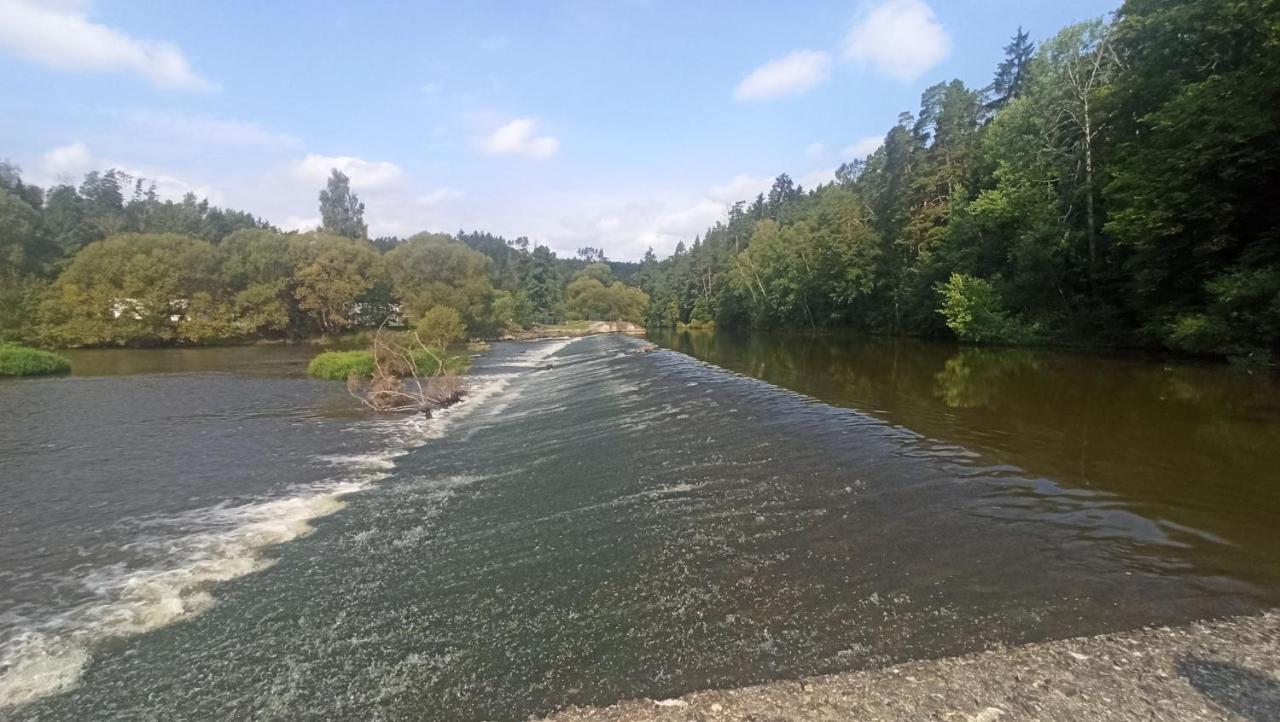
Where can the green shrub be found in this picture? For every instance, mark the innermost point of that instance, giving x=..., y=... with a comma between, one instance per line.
x=1197, y=333
x=339, y=365
x=976, y=312
x=20, y=300
x=23, y=361
x=441, y=326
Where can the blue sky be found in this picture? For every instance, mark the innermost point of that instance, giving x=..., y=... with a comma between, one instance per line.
x=622, y=124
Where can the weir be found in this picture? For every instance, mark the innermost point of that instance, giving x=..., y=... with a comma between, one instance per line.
x=598, y=524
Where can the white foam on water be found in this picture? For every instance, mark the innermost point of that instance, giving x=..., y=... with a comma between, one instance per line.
x=385, y=460
x=483, y=389
x=683, y=488
x=48, y=657
x=535, y=357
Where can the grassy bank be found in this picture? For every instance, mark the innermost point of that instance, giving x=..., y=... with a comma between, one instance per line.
x=339, y=365
x=23, y=361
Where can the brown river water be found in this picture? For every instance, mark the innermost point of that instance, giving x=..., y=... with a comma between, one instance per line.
x=208, y=534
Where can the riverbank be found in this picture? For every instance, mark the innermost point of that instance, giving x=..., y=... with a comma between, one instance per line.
x=1222, y=670
x=574, y=329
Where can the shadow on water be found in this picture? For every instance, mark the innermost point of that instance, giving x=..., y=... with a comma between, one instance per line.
x=1251, y=694
x=1191, y=448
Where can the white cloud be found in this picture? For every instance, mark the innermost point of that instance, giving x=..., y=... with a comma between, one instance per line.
x=170, y=188
x=678, y=221
x=862, y=148
x=815, y=178
x=59, y=35
x=792, y=75
x=67, y=162
x=439, y=195
x=517, y=138
x=300, y=224
x=625, y=224
x=815, y=151
x=741, y=187
x=364, y=174
x=207, y=130
x=899, y=38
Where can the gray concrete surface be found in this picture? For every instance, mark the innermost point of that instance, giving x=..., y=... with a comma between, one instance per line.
x=1222, y=670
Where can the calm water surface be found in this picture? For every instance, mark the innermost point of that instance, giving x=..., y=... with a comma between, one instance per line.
x=218, y=537
x=1193, y=449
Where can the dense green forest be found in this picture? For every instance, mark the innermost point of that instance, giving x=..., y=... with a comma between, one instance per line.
x=109, y=263
x=1116, y=185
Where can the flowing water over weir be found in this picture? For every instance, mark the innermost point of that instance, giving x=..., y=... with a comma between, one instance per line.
x=593, y=524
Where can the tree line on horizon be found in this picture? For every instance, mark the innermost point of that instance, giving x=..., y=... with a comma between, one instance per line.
x=90, y=266
x=1116, y=185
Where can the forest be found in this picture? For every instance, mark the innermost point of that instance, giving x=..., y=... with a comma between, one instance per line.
x=111, y=264
x=1114, y=186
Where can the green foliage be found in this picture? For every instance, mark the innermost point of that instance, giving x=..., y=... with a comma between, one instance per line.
x=341, y=212
x=20, y=300
x=1193, y=176
x=541, y=282
x=808, y=272
x=148, y=289
x=587, y=297
x=39, y=228
x=431, y=270
x=1196, y=333
x=512, y=311
x=331, y=274
x=702, y=314
x=339, y=365
x=74, y=271
x=23, y=245
x=975, y=311
x=1117, y=180
x=599, y=271
x=1013, y=72
x=23, y=361
x=128, y=289
x=441, y=326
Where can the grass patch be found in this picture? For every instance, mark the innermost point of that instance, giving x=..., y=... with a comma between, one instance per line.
x=339, y=365
x=23, y=361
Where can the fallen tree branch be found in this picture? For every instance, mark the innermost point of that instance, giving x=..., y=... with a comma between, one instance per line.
x=397, y=384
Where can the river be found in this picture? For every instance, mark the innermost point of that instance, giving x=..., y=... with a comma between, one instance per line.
x=207, y=534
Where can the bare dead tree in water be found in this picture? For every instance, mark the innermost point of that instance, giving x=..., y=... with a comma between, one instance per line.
x=398, y=385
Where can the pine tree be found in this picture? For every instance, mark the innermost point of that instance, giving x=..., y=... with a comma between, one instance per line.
x=1011, y=75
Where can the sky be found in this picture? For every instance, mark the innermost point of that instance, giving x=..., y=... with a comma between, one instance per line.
x=617, y=124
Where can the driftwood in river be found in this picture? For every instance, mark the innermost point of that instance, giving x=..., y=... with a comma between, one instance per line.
x=399, y=384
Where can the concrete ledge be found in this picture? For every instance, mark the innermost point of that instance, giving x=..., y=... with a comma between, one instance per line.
x=1223, y=670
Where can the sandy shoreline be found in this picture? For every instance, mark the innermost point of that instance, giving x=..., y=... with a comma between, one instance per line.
x=1221, y=670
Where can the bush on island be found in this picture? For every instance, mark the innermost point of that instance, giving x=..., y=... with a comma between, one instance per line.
x=23, y=361
x=340, y=365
